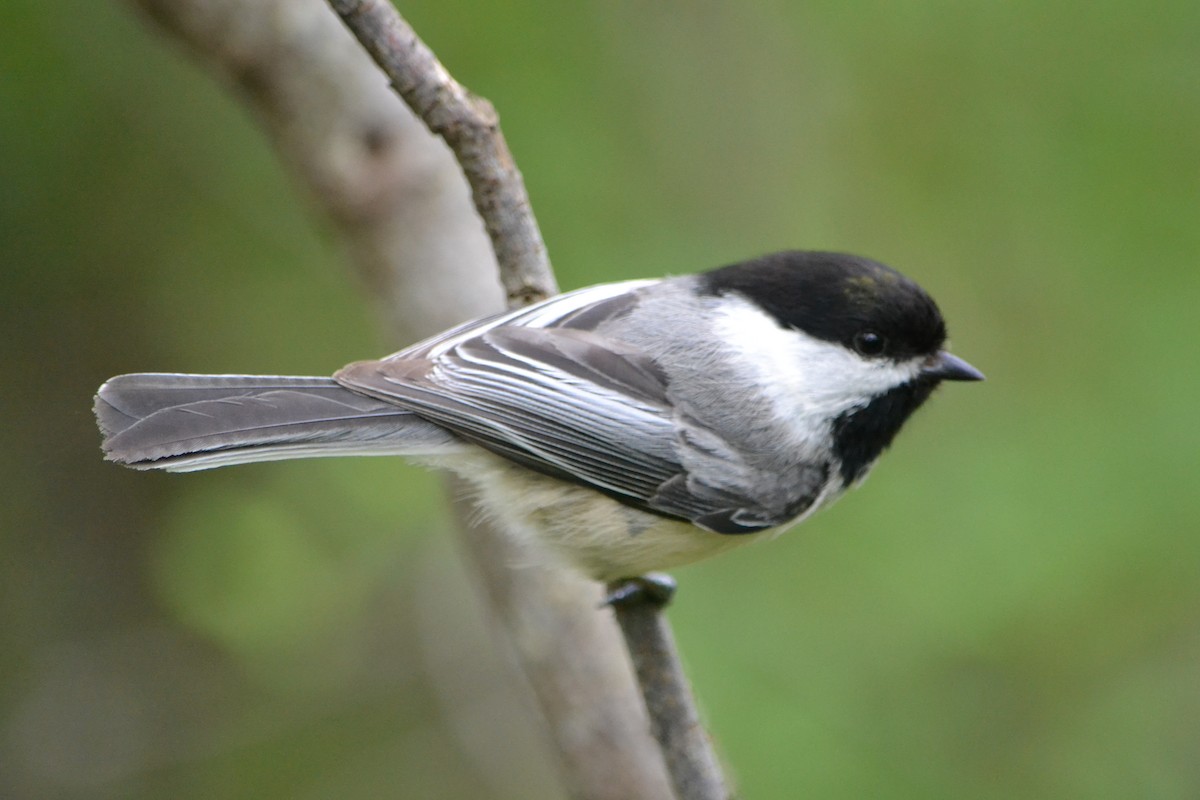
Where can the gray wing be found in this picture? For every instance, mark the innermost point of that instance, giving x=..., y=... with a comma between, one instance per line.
x=569, y=403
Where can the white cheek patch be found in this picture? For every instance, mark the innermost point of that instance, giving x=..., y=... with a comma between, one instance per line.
x=804, y=377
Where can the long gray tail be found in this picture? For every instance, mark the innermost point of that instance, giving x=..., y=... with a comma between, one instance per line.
x=182, y=423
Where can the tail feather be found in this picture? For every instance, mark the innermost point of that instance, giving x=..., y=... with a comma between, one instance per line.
x=190, y=422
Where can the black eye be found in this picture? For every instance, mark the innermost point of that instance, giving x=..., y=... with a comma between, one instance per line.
x=869, y=343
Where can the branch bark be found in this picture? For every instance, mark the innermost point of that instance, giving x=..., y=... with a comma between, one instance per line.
x=396, y=199
x=691, y=760
x=470, y=125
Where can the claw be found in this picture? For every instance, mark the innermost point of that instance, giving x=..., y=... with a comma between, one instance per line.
x=652, y=589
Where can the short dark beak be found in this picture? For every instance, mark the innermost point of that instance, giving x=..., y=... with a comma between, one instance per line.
x=948, y=367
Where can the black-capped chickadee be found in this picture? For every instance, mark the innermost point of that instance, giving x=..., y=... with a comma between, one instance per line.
x=626, y=427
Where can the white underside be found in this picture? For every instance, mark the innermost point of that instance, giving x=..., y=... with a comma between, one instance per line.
x=581, y=528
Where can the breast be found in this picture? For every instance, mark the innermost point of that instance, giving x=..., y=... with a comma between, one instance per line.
x=580, y=528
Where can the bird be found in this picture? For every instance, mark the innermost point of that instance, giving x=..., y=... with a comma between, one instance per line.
x=623, y=428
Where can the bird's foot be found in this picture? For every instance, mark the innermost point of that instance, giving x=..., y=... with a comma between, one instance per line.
x=652, y=589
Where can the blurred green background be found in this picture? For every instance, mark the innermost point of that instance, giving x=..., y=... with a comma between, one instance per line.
x=1010, y=609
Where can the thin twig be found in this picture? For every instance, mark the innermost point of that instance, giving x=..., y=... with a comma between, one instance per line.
x=395, y=199
x=692, y=762
x=470, y=126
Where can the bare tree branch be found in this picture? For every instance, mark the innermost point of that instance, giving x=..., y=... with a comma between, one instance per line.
x=394, y=194
x=399, y=208
x=675, y=720
x=397, y=199
x=470, y=126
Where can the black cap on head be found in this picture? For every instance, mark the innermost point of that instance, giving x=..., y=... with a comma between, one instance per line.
x=841, y=298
